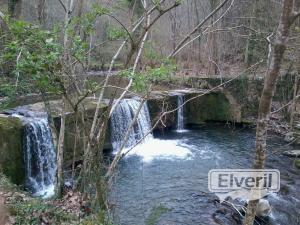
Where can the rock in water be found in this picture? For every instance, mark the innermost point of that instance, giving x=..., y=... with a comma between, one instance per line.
x=297, y=163
x=292, y=153
x=289, y=137
x=263, y=208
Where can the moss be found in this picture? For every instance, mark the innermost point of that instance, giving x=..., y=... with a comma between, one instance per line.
x=297, y=163
x=11, y=161
x=211, y=107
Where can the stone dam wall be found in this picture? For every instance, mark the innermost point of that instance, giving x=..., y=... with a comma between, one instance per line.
x=236, y=102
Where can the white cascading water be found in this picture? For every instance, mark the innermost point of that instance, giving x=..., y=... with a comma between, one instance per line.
x=151, y=148
x=39, y=158
x=180, y=113
x=121, y=119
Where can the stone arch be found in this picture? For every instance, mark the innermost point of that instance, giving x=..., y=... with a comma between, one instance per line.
x=235, y=108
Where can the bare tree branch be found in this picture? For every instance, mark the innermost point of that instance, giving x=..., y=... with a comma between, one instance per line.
x=2, y=15
x=63, y=5
x=197, y=27
x=163, y=114
x=116, y=19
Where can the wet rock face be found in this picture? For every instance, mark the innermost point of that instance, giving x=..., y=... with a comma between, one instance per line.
x=11, y=160
x=211, y=107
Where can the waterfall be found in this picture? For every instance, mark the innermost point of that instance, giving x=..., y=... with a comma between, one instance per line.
x=39, y=158
x=121, y=119
x=180, y=113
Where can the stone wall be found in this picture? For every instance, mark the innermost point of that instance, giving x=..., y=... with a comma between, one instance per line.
x=211, y=107
x=242, y=93
x=11, y=138
x=235, y=102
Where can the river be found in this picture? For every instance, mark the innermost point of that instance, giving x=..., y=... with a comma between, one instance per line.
x=164, y=181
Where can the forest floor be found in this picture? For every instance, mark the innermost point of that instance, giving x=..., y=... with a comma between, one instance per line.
x=18, y=207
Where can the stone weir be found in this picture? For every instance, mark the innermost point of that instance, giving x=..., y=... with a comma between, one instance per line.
x=200, y=107
x=236, y=101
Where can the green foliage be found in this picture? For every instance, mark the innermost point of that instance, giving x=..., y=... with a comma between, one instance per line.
x=6, y=89
x=34, y=55
x=98, y=218
x=142, y=80
x=78, y=48
x=115, y=33
x=86, y=22
x=5, y=183
x=32, y=212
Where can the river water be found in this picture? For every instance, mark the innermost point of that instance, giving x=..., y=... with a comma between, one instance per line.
x=164, y=181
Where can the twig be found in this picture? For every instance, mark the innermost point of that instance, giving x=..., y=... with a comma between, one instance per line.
x=197, y=27
x=183, y=45
x=290, y=102
x=63, y=5
x=135, y=63
x=18, y=73
x=190, y=99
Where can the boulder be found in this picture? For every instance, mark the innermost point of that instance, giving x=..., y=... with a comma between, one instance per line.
x=263, y=208
x=289, y=137
x=292, y=153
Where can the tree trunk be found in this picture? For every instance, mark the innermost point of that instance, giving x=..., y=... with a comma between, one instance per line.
x=249, y=44
x=15, y=8
x=293, y=106
x=61, y=139
x=3, y=25
x=60, y=150
x=277, y=50
x=40, y=7
x=213, y=43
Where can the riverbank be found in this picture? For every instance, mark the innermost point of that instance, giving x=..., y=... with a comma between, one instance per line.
x=18, y=207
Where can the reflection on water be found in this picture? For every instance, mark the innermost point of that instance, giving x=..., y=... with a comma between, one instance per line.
x=165, y=182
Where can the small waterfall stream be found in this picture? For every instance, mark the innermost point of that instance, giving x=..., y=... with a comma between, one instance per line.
x=180, y=113
x=121, y=119
x=39, y=158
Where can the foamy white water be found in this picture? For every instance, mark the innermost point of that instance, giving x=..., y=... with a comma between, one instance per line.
x=45, y=193
x=121, y=120
x=160, y=149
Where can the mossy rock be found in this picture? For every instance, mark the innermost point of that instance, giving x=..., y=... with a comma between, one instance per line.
x=11, y=161
x=297, y=163
x=210, y=107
